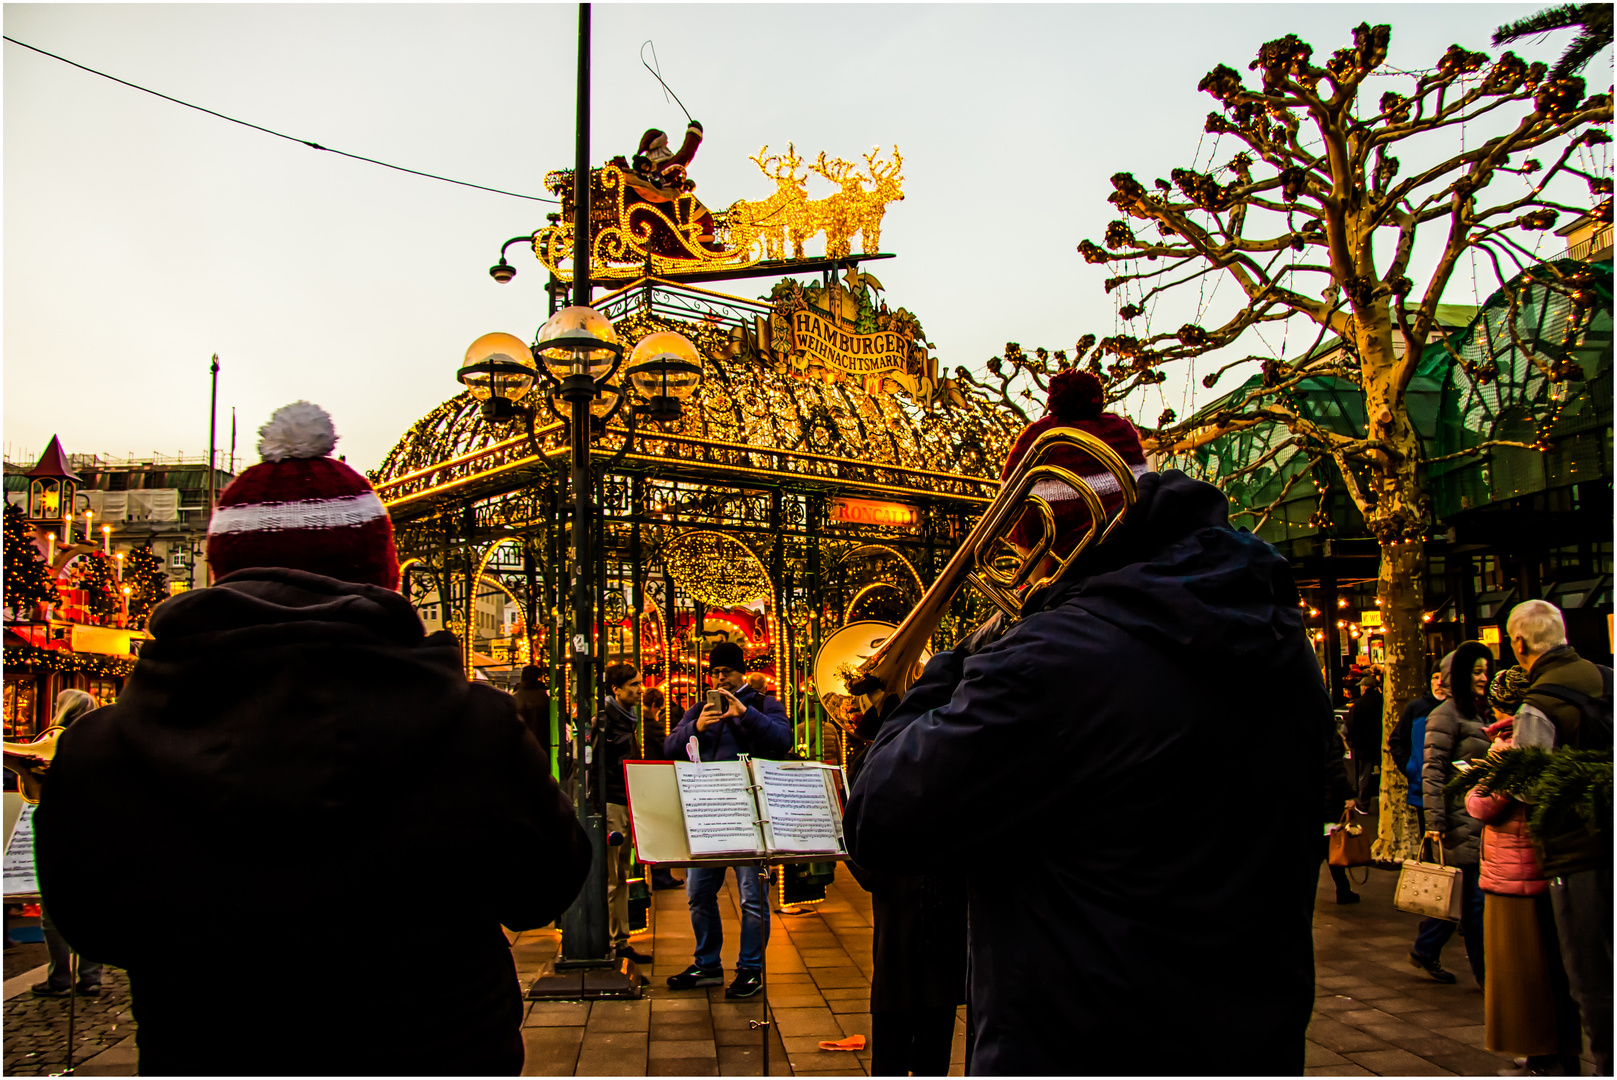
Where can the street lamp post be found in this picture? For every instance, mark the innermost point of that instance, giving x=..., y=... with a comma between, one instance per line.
x=581, y=354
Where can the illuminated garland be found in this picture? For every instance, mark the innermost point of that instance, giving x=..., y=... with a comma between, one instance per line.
x=17, y=656
x=716, y=569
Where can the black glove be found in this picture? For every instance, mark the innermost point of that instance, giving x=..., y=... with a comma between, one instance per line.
x=696, y=126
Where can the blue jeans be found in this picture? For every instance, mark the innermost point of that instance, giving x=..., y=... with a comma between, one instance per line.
x=1433, y=934
x=702, y=885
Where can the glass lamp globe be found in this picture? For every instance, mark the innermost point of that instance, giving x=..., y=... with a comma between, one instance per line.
x=578, y=340
x=665, y=365
x=498, y=367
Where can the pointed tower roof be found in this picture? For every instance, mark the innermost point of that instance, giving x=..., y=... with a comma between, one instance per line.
x=53, y=463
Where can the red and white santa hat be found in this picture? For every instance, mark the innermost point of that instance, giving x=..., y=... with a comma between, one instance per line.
x=1076, y=399
x=301, y=509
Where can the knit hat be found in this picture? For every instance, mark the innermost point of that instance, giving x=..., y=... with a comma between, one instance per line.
x=1075, y=400
x=727, y=654
x=1508, y=689
x=301, y=509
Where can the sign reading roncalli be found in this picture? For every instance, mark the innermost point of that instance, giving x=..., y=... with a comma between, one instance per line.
x=893, y=515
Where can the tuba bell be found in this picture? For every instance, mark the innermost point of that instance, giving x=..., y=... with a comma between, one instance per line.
x=31, y=760
x=891, y=667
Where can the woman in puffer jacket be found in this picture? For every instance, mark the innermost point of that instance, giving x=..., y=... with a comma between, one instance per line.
x=1527, y=1005
x=1454, y=733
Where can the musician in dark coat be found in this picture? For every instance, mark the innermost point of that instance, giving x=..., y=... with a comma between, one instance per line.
x=300, y=829
x=1062, y=769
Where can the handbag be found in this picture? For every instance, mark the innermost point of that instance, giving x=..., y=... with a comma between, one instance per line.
x=1429, y=889
x=1349, y=843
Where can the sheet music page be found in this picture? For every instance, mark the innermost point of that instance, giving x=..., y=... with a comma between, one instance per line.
x=804, y=815
x=720, y=814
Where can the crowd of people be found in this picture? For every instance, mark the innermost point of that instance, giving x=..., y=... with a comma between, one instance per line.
x=296, y=777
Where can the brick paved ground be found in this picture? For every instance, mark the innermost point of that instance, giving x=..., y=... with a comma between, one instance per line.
x=1374, y=1014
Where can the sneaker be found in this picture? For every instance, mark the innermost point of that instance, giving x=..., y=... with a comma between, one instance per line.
x=1349, y=897
x=747, y=983
x=695, y=976
x=1431, y=967
x=627, y=952
x=88, y=989
x=45, y=989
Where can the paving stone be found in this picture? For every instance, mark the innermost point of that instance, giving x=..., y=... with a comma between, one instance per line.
x=1316, y=1055
x=849, y=1005
x=736, y=1036
x=557, y=1014
x=1348, y=1069
x=547, y=1058
x=553, y=1036
x=680, y=1048
x=697, y=1066
x=1396, y=1062
x=795, y=1000
x=840, y=978
x=611, y=1063
x=618, y=1021
x=819, y=1022
x=1395, y=1030
x=1343, y=1039
x=681, y=1025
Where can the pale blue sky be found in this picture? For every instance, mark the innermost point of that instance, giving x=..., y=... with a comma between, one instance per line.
x=141, y=237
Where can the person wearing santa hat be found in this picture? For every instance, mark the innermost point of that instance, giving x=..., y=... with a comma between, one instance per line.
x=300, y=828
x=1064, y=766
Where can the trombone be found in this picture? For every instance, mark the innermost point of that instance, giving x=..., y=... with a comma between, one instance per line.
x=873, y=669
x=31, y=760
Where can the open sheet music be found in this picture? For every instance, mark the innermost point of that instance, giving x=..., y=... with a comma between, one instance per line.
x=763, y=808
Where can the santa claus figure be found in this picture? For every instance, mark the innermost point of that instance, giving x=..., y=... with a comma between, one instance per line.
x=656, y=175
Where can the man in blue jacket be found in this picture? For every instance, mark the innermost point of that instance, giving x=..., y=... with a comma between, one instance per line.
x=1070, y=769
x=753, y=724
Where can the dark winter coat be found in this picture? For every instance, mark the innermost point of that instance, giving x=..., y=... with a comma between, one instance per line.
x=1408, y=733
x=615, y=743
x=1338, y=788
x=1061, y=769
x=1551, y=722
x=533, y=709
x=1453, y=736
x=300, y=818
x=762, y=731
x=1364, y=727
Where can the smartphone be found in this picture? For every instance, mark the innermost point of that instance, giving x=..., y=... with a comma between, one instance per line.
x=716, y=702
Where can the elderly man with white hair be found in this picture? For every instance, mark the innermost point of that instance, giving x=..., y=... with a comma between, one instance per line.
x=1564, y=693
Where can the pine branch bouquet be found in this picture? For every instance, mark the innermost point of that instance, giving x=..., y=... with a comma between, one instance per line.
x=1564, y=789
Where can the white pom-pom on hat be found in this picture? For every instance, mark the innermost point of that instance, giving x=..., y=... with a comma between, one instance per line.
x=299, y=430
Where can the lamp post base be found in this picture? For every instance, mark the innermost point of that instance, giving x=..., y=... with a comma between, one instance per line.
x=587, y=980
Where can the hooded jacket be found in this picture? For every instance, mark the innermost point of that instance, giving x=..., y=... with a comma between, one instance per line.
x=1453, y=736
x=1063, y=769
x=300, y=813
x=762, y=731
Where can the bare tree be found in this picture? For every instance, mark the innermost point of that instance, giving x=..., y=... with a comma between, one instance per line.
x=1316, y=219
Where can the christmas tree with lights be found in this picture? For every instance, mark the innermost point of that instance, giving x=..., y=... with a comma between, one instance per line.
x=27, y=578
x=148, y=585
x=93, y=572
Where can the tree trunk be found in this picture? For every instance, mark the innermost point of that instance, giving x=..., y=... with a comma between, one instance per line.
x=1400, y=588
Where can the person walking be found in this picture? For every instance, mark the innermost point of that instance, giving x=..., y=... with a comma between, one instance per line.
x=1364, y=738
x=263, y=829
x=70, y=705
x=1410, y=732
x=1052, y=764
x=754, y=724
x=615, y=743
x=1454, y=732
x=1527, y=1005
x=533, y=706
x=1561, y=708
x=1339, y=801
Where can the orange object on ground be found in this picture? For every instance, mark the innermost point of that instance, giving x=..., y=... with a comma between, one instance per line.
x=852, y=1042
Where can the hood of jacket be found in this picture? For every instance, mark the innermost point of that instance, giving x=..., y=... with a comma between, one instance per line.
x=1176, y=575
x=290, y=685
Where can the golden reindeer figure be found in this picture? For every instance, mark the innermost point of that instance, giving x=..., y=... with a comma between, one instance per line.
x=837, y=214
x=776, y=218
x=887, y=187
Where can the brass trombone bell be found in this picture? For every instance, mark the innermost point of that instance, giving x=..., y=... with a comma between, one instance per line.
x=31, y=760
x=893, y=665
x=840, y=659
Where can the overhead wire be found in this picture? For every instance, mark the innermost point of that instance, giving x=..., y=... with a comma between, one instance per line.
x=278, y=134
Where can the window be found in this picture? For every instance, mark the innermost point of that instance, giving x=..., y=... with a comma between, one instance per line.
x=19, y=709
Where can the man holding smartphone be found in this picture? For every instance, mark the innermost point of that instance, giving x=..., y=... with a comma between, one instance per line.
x=747, y=723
